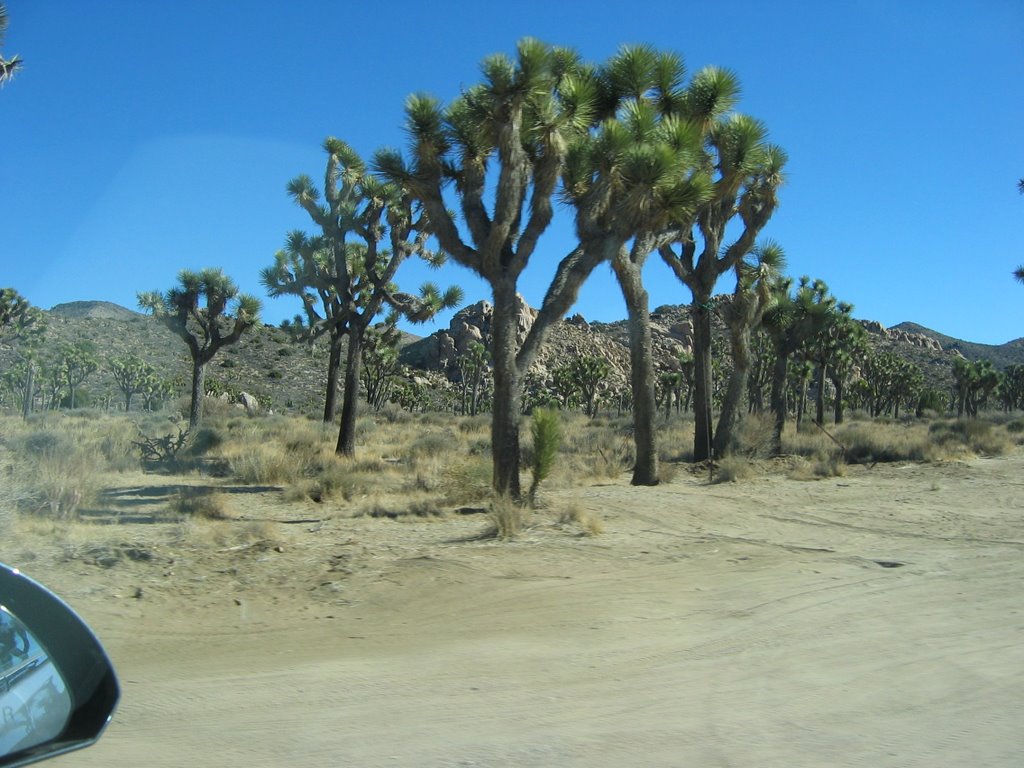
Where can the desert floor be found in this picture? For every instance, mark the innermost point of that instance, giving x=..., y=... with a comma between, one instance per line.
x=874, y=619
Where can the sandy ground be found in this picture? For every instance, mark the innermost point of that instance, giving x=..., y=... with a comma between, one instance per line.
x=875, y=619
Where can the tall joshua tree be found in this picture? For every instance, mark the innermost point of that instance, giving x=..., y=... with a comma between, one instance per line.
x=368, y=229
x=634, y=181
x=206, y=310
x=7, y=66
x=755, y=278
x=747, y=172
x=521, y=119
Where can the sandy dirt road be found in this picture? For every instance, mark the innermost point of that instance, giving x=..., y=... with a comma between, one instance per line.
x=875, y=619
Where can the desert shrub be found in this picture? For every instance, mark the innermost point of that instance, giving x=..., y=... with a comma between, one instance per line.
x=868, y=443
x=479, y=423
x=1015, y=426
x=45, y=444
x=393, y=414
x=675, y=440
x=206, y=439
x=264, y=464
x=830, y=465
x=753, y=436
x=732, y=469
x=574, y=514
x=506, y=517
x=200, y=502
x=365, y=427
x=334, y=479
x=978, y=436
x=466, y=481
x=808, y=441
x=433, y=444
x=421, y=508
x=117, y=445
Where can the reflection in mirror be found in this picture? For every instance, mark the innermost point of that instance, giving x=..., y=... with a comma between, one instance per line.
x=34, y=701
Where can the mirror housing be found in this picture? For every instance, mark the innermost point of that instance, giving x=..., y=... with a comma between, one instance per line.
x=78, y=659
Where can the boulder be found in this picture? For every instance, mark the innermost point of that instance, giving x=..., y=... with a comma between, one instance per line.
x=250, y=403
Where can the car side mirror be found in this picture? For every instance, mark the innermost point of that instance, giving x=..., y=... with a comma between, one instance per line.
x=58, y=689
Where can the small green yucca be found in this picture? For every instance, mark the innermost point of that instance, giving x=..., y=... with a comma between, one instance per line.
x=547, y=438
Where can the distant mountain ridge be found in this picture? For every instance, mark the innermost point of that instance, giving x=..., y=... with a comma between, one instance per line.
x=105, y=310
x=1001, y=355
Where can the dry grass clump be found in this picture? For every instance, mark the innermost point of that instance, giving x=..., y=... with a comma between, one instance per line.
x=675, y=439
x=733, y=469
x=467, y=481
x=589, y=524
x=595, y=448
x=201, y=502
x=417, y=508
x=978, y=436
x=54, y=464
x=869, y=442
x=753, y=436
x=506, y=516
x=818, y=467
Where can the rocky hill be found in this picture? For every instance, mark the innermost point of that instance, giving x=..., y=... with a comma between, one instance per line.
x=1001, y=355
x=290, y=376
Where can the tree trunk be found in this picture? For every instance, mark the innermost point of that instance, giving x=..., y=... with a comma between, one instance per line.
x=507, y=391
x=30, y=380
x=641, y=358
x=702, y=437
x=729, y=417
x=333, y=368
x=195, y=411
x=819, y=411
x=350, y=402
x=837, y=382
x=128, y=400
x=778, y=402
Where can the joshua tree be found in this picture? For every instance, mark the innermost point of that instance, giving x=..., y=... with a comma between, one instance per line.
x=1011, y=387
x=132, y=375
x=842, y=345
x=472, y=367
x=7, y=66
x=579, y=380
x=75, y=364
x=208, y=313
x=380, y=361
x=521, y=118
x=21, y=321
x=793, y=318
x=747, y=172
x=18, y=318
x=348, y=269
x=755, y=278
x=1018, y=273
x=974, y=382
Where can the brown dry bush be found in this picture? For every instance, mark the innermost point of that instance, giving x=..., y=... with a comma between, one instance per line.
x=54, y=465
x=732, y=469
x=589, y=523
x=506, y=516
x=978, y=436
x=467, y=481
x=417, y=508
x=201, y=502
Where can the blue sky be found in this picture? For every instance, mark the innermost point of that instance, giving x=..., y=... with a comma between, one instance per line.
x=145, y=137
